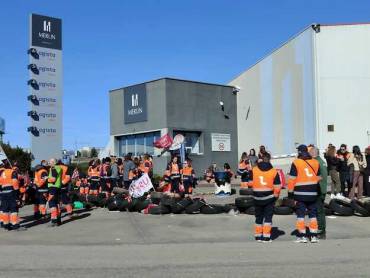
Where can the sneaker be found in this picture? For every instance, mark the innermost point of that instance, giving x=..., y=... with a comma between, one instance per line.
x=332, y=196
x=258, y=239
x=267, y=240
x=301, y=240
x=314, y=239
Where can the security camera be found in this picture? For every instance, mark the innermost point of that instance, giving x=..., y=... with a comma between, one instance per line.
x=33, y=68
x=316, y=27
x=236, y=90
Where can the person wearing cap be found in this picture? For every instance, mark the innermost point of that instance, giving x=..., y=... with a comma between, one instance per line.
x=303, y=187
x=315, y=153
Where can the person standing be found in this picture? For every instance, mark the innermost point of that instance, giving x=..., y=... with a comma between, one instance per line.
x=10, y=194
x=358, y=162
x=41, y=182
x=266, y=185
x=314, y=152
x=243, y=169
x=303, y=187
x=65, y=188
x=343, y=170
x=367, y=173
x=253, y=157
x=128, y=166
x=174, y=168
x=54, y=185
x=333, y=163
x=114, y=173
x=187, y=177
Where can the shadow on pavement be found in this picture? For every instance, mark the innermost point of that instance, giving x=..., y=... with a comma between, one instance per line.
x=275, y=233
x=76, y=217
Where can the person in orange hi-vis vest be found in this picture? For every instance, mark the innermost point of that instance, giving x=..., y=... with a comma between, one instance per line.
x=174, y=168
x=41, y=182
x=243, y=169
x=10, y=193
x=265, y=182
x=187, y=177
x=94, y=177
x=303, y=186
x=65, y=188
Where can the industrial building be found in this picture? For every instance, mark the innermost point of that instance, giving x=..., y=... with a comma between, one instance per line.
x=204, y=113
x=315, y=88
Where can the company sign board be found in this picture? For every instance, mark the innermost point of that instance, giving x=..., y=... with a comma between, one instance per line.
x=45, y=87
x=221, y=142
x=135, y=104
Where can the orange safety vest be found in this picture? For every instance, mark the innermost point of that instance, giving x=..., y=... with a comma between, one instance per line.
x=187, y=171
x=305, y=185
x=263, y=185
x=39, y=181
x=7, y=181
x=174, y=170
x=65, y=178
x=94, y=173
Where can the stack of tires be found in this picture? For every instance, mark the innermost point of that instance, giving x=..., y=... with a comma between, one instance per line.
x=347, y=207
x=164, y=204
x=245, y=203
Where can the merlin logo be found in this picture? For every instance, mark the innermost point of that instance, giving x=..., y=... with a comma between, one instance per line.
x=47, y=26
x=135, y=100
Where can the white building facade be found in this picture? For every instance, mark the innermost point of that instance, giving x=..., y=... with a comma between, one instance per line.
x=315, y=89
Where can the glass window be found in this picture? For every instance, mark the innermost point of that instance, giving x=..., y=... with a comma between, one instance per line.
x=191, y=140
x=138, y=144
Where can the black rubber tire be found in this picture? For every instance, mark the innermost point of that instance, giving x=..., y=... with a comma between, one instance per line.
x=195, y=206
x=345, y=202
x=250, y=210
x=340, y=209
x=181, y=205
x=246, y=191
x=92, y=199
x=229, y=207
x=118, y=190
x=140, y=205
x=288, y=202
x=244, y=202
x=328, y=211
x=112, y=206
x=167, y=201
x=155, y=194
x=366, y=205
x=101, y=200
x=82, y=198
x=283, y=210
x=212, y=209
x=359, y=208
x=159, y=210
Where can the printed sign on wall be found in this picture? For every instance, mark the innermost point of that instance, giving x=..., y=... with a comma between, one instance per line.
x=221, y=142
x=45, y=85
x=135, y=106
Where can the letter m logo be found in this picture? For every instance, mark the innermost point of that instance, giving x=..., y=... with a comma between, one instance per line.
x=135, y=100
x=47, y=26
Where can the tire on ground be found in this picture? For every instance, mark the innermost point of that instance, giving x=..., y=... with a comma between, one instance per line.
x=181, y=205
x=288, y=202
x=212, y=209
x=195, y=206
x=340, y=208
x=283, y=210
x=159, y=210
x=250, y=210
x=244, y=202
x=359, y=208
x=246, y=191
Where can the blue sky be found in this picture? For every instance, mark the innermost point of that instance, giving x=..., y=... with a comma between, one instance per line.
x=114, y=43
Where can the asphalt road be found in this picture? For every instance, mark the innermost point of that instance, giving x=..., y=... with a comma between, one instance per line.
x=100, y=243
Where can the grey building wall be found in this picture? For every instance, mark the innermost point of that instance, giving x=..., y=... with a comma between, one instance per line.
x=183, y=105
x=195, y=106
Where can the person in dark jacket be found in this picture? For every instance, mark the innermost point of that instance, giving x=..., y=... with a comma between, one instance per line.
x=367, y=173
x=343, y=169
x=333, y=163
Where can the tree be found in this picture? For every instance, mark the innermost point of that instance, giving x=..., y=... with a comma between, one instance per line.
x=94, y=152
x=18, y=155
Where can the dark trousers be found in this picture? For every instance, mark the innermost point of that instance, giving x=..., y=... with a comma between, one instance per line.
x=345, y=182
x=367, y=184
x=321, y=221
x=311, y=208
x=263, y=222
